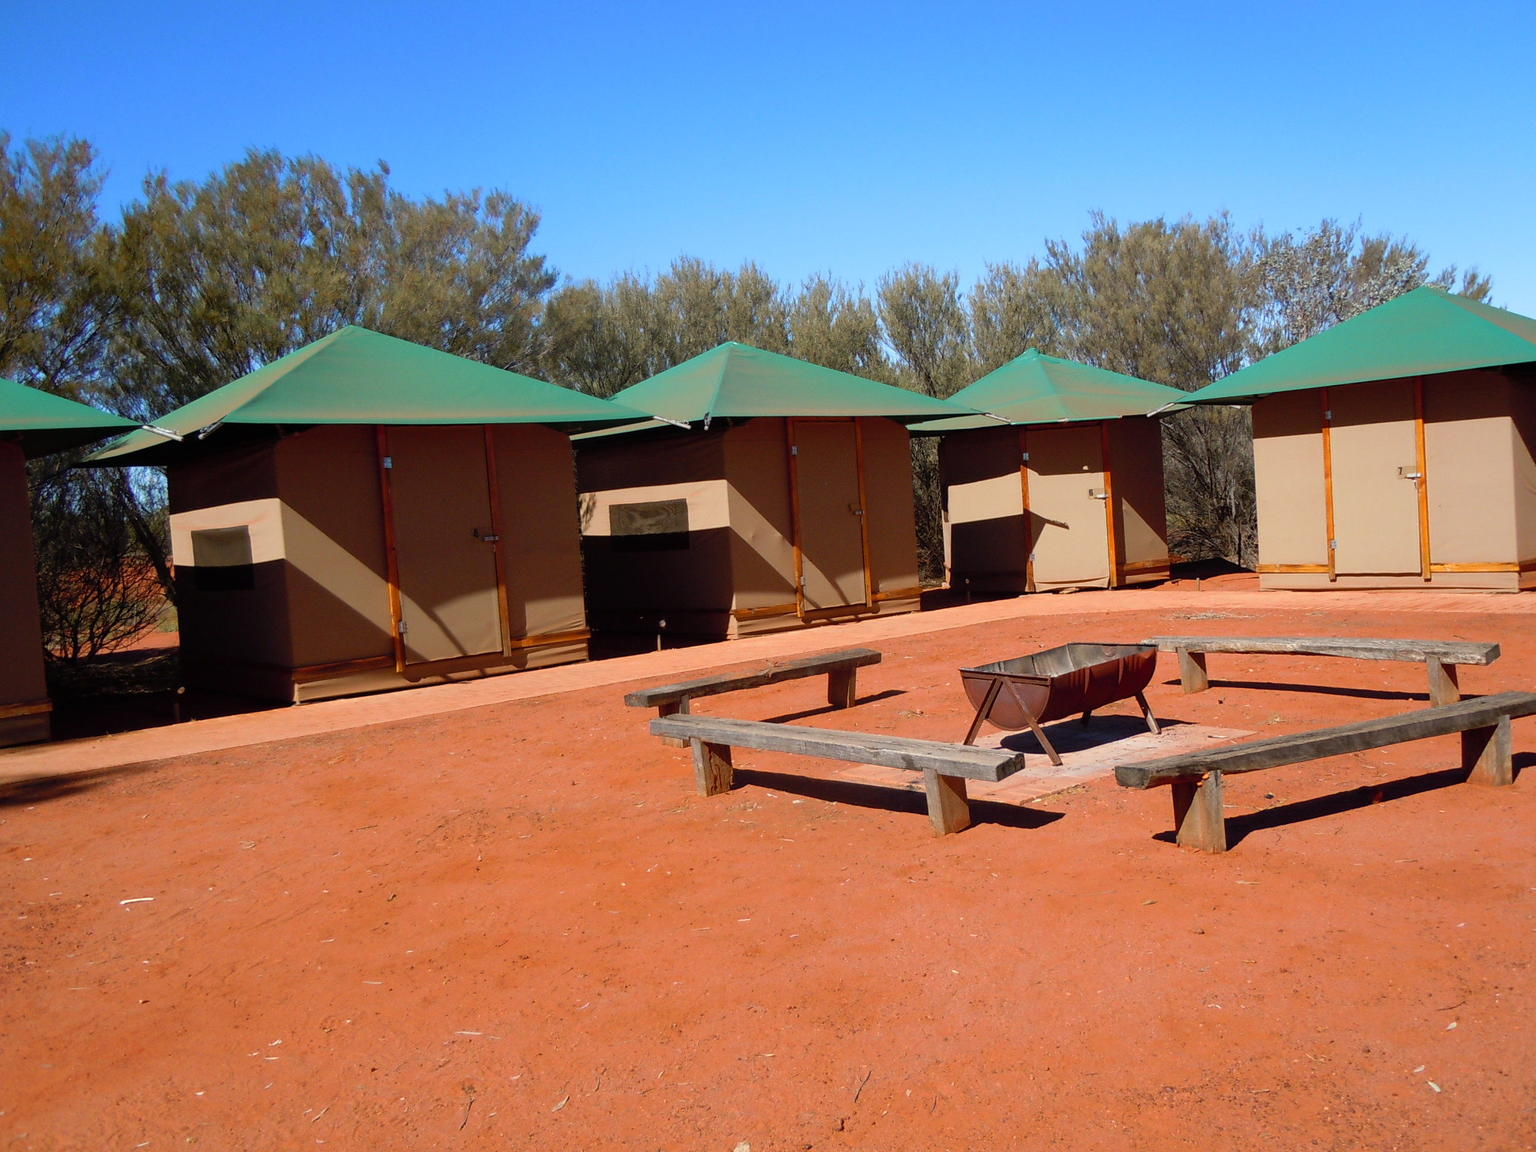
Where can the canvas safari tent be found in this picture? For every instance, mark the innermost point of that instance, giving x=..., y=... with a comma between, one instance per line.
x=367, y=513
x=779, y=496
x=32, y=423
x=1068, y=493
x=1396, y=449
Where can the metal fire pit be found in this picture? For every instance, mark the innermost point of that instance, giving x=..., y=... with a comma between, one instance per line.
x=1075, y=679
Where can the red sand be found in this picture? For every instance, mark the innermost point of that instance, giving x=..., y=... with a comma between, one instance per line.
x=516, y=926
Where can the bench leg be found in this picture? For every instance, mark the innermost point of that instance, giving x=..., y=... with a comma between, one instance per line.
x=1443, y=687
x=948, y=807
x=840, y=689
x=711, y=767
x=1192, y=674
x=1197, y=814
x=674, y=708
x=1485, y=753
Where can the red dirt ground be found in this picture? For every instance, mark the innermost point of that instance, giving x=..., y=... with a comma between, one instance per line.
x=517, y=927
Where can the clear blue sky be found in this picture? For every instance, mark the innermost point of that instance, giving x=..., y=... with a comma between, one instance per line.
x=847, y=138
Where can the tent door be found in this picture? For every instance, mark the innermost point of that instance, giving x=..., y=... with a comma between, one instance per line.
x=1068, y=493
x=444, y=539
x=1376, y=471
x=831, y=536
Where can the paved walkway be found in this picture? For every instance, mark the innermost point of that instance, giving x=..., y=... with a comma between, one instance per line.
x=200, y=736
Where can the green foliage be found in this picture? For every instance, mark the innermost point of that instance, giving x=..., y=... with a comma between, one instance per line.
x=215, y=279
x=203, y=281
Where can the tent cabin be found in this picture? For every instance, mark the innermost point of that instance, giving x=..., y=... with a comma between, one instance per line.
x=1068, y=493
x=1395, y=450
x=778, y=496
x=32, y=423
x=365, y=513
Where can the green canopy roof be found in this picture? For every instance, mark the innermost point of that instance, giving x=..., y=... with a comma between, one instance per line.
x=736, y=380
x=47, y=423
x=1420, y=333
x=1038, y=389
x=356, y=376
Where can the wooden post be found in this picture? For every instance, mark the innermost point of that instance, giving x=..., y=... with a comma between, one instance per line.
x=1146, y=712
x=1192, y=671
x=948, y=807
x=1421, y=485
x=1197, y=814
x=1443, y=686
x=840, y=687
x=1485, y=753
x=1328, y=522
x=673, y=708
x=711, y=767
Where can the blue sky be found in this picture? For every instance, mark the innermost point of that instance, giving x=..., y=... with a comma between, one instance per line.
x=842, y=138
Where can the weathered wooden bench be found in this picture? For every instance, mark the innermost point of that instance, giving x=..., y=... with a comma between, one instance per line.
x=1196, y=777
x=1440, y=657
x=840, y=669
x=945, y=767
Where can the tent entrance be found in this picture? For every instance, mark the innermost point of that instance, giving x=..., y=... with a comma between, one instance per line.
x=831, y=536
x=1069, y=506
x=1374, y=477
x=441, y=515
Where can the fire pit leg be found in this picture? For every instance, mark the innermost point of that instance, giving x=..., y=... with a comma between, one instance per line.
x=1146, y=712
x=1034, y=725
x=983, y=710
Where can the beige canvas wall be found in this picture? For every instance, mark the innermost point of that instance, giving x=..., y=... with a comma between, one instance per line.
x=1374, y=452
x=1067, y=519
x=23, y=687
x=1471, y=469
x=1289, y=479
x=1141, y=518
x=1473, y=460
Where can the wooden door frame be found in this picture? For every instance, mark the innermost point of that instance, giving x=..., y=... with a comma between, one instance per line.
x=1111, y=538
x=1029, y=534
x=798, y=520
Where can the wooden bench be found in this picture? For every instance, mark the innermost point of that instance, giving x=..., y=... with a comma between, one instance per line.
x=945, y=767
x=1440, y=657
x=1196, y=777
x=840, y=669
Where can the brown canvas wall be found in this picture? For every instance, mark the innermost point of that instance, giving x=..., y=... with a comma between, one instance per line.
x=309, y=616
x=23, y=685
x=333, y=531
x=656, y=533
x=232, y=608
x=890, y=517
x=536, y=476
x=985, y=531
x=1523, y=448
x=762, y=549
x=829, y=515
x=1141, y=518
